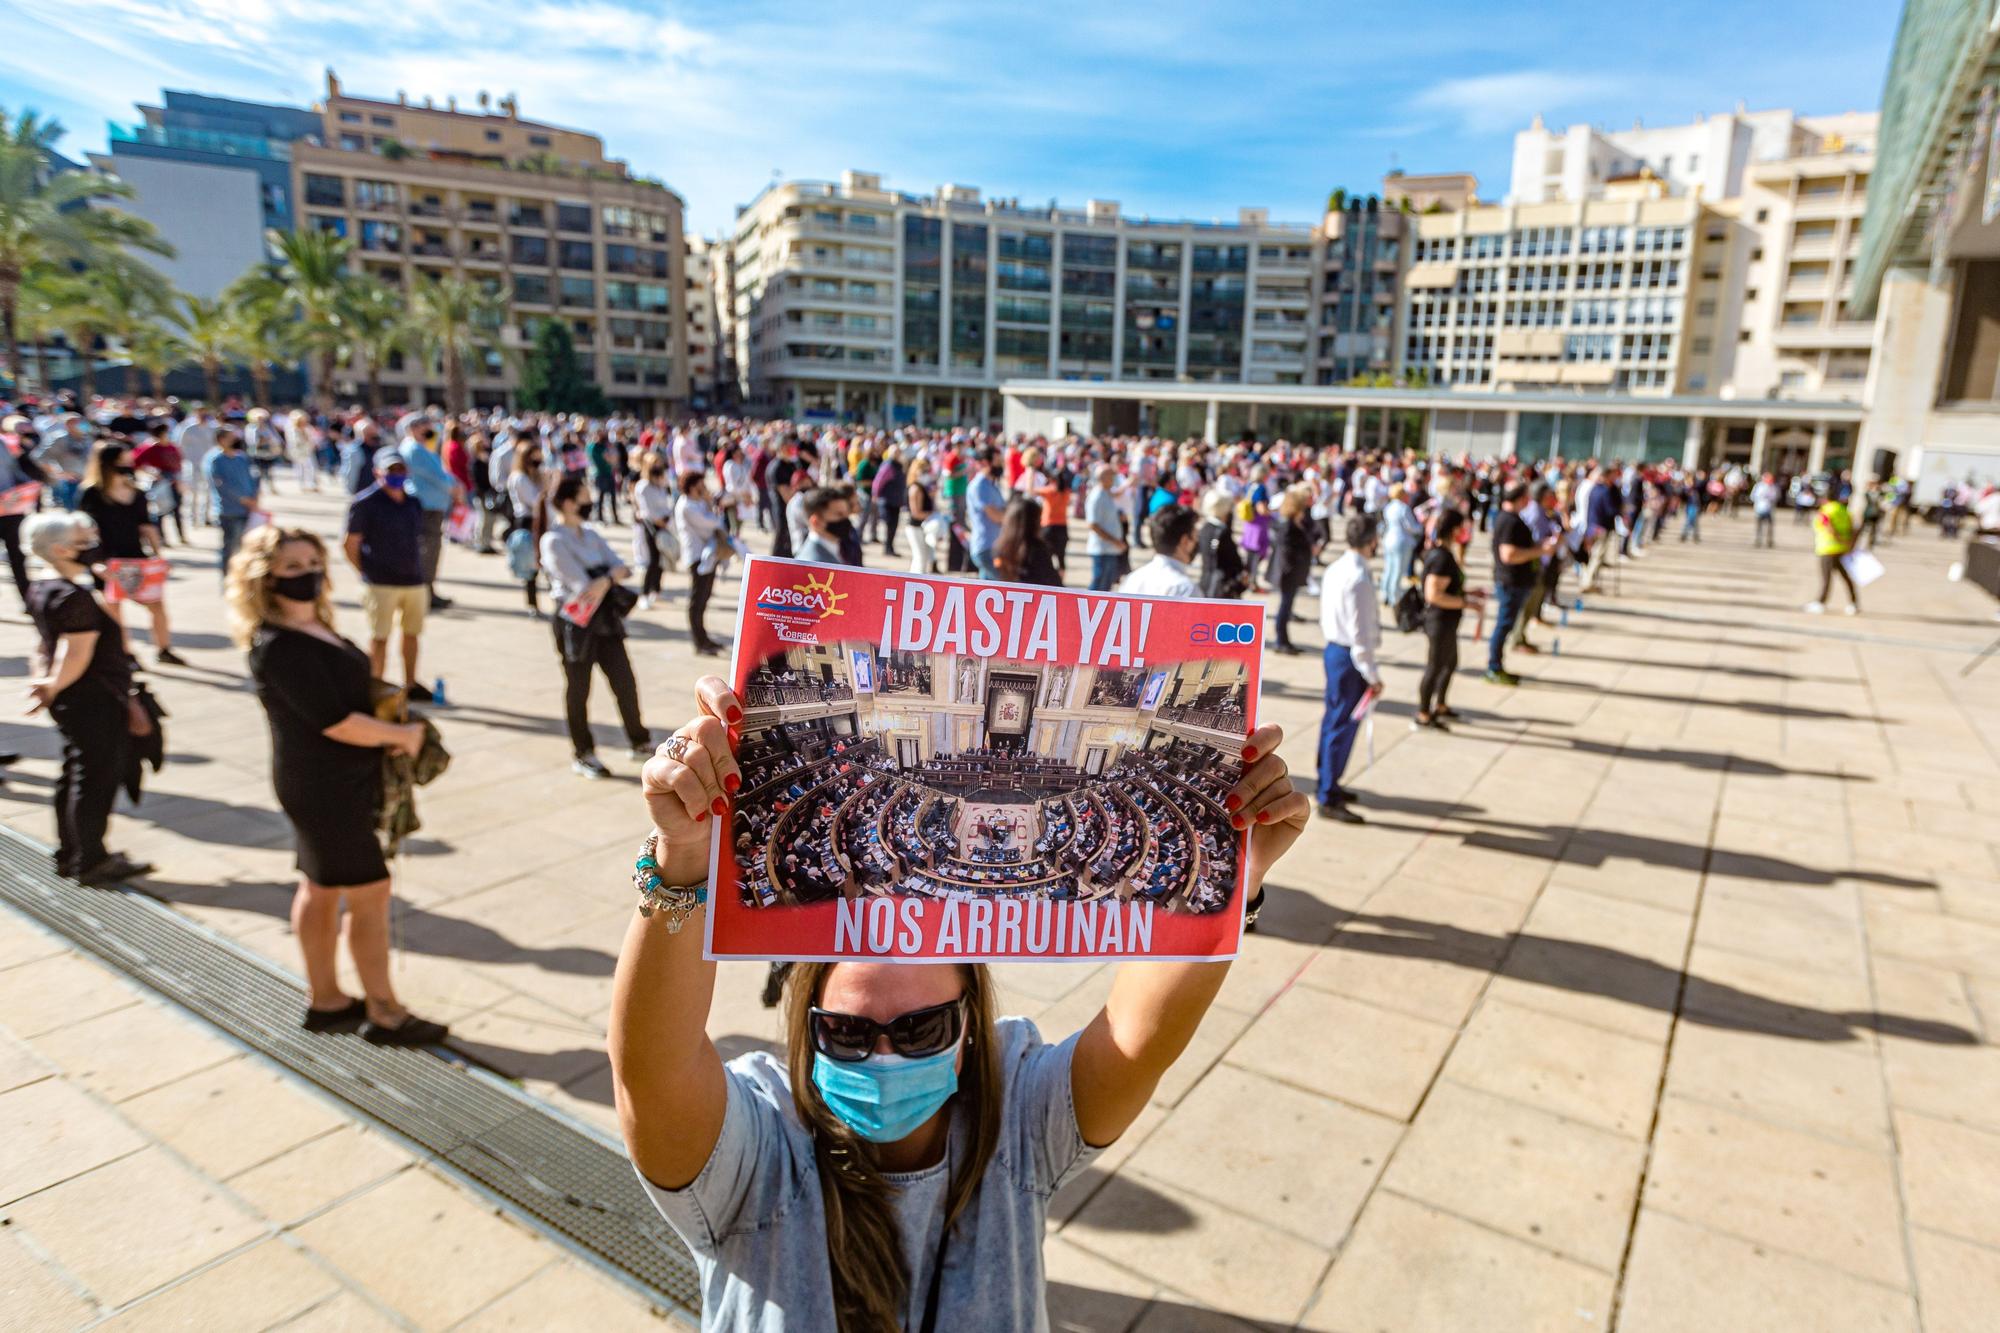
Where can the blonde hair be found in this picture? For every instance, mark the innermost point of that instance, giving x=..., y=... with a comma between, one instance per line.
x=1295, y=501
x=1217, y=506
x=247, y=586
x=871, y=1274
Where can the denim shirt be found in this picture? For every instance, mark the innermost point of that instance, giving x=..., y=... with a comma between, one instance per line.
x=232, y=479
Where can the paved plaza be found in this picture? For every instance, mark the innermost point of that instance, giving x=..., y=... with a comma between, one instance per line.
x=1662, y=994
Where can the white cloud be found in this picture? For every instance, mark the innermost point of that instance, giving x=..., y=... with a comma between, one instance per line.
x=1494, y=103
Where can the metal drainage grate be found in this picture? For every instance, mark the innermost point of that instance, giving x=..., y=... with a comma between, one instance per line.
x=548, y=1172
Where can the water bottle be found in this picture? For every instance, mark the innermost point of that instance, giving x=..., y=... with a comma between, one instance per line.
x=1579, y=604
x=1556, y=647
x=437, y=692
x=1563, y=613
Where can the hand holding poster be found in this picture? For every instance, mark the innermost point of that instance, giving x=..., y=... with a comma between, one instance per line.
x=143, y=581
x=936, y=769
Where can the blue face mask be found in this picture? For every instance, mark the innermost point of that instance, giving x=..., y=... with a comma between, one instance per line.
x=394, y=481
x=886, y=1097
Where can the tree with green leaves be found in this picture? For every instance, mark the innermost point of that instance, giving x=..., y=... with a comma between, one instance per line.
x=208, y=337
x=552, y=378
x=455, y=320
x=261, y=326
x=306, y=287
x=154, y=350
x=115, y=298
x=377, y=325
x=51, y=218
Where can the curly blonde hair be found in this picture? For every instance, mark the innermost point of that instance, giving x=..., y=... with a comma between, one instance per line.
x=247, y=586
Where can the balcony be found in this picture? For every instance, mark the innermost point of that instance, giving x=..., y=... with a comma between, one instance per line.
x=532, y=219
x=487, y=254
x=804, y=261
x=419, y=209
x=1810, y=207
x=431, y=250
x=810, y=226
x=365, y=204
x=481, y=215
x=1842, y=333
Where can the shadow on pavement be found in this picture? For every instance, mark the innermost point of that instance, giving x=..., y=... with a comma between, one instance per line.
x=1594, y=969
x=1074, y=1309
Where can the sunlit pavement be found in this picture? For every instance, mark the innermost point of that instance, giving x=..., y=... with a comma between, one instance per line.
x=1659, y=994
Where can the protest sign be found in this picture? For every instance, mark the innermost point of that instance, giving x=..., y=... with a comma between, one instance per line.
x=20, y=499
x=143, y=581
x=944, y=770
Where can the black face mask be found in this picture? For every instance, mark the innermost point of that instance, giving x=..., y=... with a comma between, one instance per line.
x=300, y=587
x=840, y=527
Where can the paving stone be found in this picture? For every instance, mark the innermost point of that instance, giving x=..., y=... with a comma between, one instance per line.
x=470, y=1255
x=20, y=1064
x=263, y=1285
x=1088, y=1295
x=1416, y=1269
x=57, y=991
x=1958, y=1283
x=1368, y=1057
x=34, y=1296
x=1175, y=1238
x=54, y=1132
x=306, y=1179
x=1568, y=1068
x=1553, y=1182
x=131, y=1225
x=233, y=1116
x=133, y=1050
x=1235, y=1140
x=1830, y=1088
x=1951, y=1176
x=1686, y=1279
x=1789, y=1190
x=562, y=1295
x=345, y=1313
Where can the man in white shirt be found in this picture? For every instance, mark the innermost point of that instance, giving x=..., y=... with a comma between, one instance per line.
x=1105, y=540
x=195, y=438
x=1764, y=504
x=1374, y=493
x=1172, y=531
x=1348, y=617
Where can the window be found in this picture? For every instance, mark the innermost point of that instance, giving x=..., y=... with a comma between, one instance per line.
x=527, y=215
x=573, y=217
x=577, y=254
x=531, y=251
x=336, y=225
x=350, y=117
x=538, y=141
x=493, y=136
x=326, y=191
x=1701, y=346
x=531, y=288
x=654, y=298
x=385, y=122
x=381, y=195
x=579, y=292
x=353, y=143
x=1763, y=215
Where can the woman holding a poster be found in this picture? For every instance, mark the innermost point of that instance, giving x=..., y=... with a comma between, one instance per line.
x=127, y=564
x=589, y=624
x=895, y=1166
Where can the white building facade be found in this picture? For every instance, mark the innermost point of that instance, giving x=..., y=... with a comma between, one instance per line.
x=856, y=302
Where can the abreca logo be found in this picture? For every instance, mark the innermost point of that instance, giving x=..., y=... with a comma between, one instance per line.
x=1244, y=632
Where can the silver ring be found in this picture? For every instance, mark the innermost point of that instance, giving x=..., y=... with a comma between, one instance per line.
x=676, y=747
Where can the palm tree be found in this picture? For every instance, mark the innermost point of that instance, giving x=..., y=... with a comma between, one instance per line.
x=456, y=320
x=155, y=350
x=377, y=326
x=260, y=331
x=305, y=288
x=35, y=319
x=205, y=331
x=48, y=218
x=116, y=298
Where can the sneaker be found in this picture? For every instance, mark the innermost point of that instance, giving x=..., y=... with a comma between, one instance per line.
x=1502, y=678
x=439, y=603
x=1340, y=811
x=641, y=753
x=168, y=657
x=1815, y=608
x=1852, y=609
x=589, y=766
x=344, y=1019
x=113, y=868
x=645, y=603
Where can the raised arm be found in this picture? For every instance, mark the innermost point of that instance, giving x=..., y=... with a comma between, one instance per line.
x=1154, y=1008
x=666, y=1074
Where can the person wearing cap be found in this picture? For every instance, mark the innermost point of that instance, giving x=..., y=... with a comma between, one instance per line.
x=385, y=533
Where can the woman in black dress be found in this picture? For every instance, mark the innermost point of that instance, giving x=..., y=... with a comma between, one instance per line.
x=125, y=532
x=1291, y=559
x=83, y=676
x=326, y=763
x=1445, y=601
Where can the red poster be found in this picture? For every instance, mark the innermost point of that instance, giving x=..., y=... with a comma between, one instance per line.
x=19, y=499
x=143, y=581
x=942, y=769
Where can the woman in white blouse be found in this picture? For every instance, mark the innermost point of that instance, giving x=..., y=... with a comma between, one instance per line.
x=705, y=544
x=653, y=509
x=589, y=624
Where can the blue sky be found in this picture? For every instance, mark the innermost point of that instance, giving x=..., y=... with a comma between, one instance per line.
x=1171, y=108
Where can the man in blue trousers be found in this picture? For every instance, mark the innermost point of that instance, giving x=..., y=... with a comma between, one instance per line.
x=1348, y=615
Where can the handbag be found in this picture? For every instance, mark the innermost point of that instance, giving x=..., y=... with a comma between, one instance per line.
x=1410, y=610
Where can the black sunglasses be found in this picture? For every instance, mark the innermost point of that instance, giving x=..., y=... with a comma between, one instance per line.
x=850, y=1038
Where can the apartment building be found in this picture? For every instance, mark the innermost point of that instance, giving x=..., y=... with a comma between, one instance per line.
x=533, y=211
x=1364, y=248
x=703, y=329
x=1590, y=295
x=855, y=301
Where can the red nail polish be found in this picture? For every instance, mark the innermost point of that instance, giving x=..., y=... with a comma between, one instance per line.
x=1236, y=821
x=719, y=806
x=1249, y=753
x=701, y=818
x=1263, y=816
x=1231, y=801
x=731, y=782
x=735, y=715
